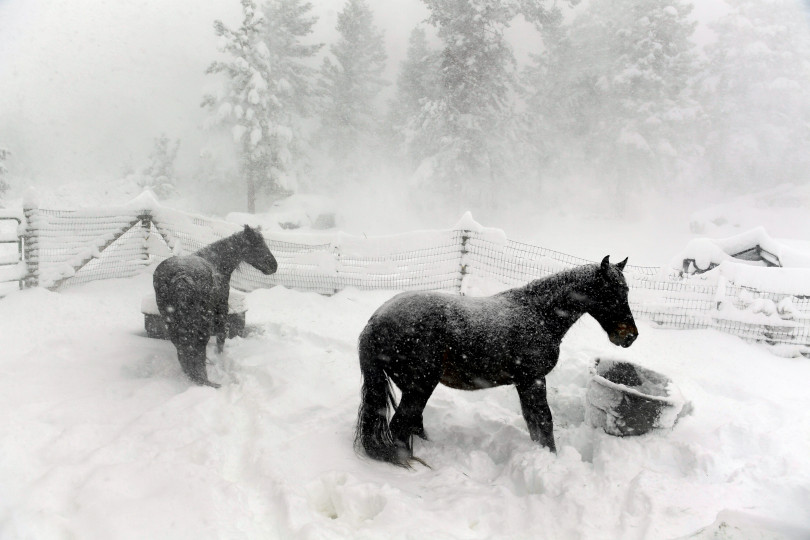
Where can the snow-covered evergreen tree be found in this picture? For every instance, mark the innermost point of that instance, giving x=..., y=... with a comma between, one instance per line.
x=288, y=23
x=756, y=91
x=350, y=81
x=469, y=126
x=267, y=90
x=617, y=85
x=549, y=100
x=159, y=175
x=417, y=83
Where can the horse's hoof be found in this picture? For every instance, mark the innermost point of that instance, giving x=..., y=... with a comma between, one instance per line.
x=420, y=461
x=206, y=382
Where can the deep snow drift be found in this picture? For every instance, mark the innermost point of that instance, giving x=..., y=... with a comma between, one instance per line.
x=103, y=437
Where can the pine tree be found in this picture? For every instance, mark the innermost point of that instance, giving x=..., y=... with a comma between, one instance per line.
x=268, y=89
x=618, y=90
x=418, y=82
x=550, y=98
x=350, y=82
x=756, y=93
x=469, y=125
x=288, y=23
x=656, y=68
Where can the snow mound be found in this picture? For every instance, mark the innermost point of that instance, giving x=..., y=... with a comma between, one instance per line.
x=731, y=525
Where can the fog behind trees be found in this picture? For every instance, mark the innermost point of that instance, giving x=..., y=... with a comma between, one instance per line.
x=431, y=105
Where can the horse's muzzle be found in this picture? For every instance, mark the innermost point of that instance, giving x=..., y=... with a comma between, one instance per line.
x=624, y=335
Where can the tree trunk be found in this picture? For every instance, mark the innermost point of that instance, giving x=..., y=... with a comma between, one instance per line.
x=251, y=191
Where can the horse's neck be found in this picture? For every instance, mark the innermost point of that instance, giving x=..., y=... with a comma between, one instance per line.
x=558, y=299
x=225, y=256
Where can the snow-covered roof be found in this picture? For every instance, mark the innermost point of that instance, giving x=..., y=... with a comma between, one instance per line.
x=754, y=247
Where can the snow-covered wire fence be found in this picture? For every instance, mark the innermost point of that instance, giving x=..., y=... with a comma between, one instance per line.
x=64, y=248
x=12, y=264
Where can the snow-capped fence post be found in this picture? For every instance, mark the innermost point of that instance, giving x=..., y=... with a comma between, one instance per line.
x=146, y=224
x=465, y=237
x=12, y=265
x=31, y=244
x=466, y=228
x=336, y=253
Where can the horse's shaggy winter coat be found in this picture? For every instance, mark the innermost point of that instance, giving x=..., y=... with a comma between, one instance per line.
x=421, y=339
x=192, y=294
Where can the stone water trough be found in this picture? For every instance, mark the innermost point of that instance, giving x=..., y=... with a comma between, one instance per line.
x=626, y=399
x=156, y=327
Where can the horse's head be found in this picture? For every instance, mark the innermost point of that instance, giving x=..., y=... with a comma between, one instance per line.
x=607, y=303
x=257, y=253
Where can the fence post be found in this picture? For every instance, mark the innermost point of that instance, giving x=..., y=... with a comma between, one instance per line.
x=465, y=237
x=31, y=246
x=336, y=253
x=466, y=228
x=146, y=223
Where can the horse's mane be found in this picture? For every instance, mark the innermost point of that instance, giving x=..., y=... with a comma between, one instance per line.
x=217, y=246
x=565, y=278
x=548, y=289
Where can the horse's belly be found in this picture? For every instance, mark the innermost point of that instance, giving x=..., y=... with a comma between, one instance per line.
x=464, y=378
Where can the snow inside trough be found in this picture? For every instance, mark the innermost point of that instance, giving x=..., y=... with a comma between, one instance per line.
x=102, y=436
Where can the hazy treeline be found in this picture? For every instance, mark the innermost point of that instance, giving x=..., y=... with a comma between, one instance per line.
x=617, y=96
x=616, y=100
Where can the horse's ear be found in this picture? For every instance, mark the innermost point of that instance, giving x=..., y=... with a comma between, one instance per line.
x=606, y=263
x=252, y=231
x=622, y=264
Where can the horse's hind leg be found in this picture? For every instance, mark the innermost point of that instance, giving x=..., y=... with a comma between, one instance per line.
x=407, y=420
x=417, y=376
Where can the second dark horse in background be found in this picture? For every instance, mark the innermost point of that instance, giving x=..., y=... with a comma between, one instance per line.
x=421, y=339
x=192, y=294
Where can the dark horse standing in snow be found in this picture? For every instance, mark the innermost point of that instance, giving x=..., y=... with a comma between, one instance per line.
x=192, y=294
x=420, y=339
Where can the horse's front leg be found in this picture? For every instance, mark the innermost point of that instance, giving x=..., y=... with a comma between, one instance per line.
x=534, y=405
x=221, y=323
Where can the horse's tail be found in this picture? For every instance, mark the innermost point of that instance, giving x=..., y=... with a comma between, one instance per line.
x=183, y=287
x=373, y=434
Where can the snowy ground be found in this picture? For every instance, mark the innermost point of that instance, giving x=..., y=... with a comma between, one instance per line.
x=102, y=436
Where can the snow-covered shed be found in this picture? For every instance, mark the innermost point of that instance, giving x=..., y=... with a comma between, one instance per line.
x=754, y=247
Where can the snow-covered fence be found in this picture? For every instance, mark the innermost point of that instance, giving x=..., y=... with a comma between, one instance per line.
x=769, y=305
x=70, y=247
x=324, y=263
x=766, y=305
x=12, y=265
